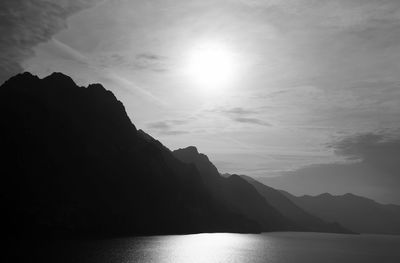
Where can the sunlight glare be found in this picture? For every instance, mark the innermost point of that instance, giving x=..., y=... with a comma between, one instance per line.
x=211, y=66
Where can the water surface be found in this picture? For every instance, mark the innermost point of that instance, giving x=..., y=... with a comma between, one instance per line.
x=280, y=247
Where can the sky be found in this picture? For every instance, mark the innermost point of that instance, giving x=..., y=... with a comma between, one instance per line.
x=303, y=95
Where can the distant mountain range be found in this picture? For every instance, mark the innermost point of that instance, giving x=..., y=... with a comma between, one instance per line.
x=354, y=212
x=74, y=164
x=291, y=210
x=333, y=213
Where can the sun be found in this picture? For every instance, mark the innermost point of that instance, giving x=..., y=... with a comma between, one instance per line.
x=211, y=66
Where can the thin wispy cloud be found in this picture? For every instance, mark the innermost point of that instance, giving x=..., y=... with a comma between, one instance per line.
x=239, y=111
x=169, y=127
x=242, y=115
x=139, y=62
x=66, y=52
x=132, y=87
x=252, y=121
x=26, y=23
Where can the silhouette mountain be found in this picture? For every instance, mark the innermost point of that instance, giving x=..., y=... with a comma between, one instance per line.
x=236, y=193
x=354, y=212
x=74, y=164
x=292, y=211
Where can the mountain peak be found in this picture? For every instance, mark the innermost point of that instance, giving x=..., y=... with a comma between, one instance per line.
x=96, y=87
x=21, y=77
x=189, y=149
x=25, y=74
x=60, y=77
x=204, y=165
x=191, y=153
x=234, y=176
x=98, y=90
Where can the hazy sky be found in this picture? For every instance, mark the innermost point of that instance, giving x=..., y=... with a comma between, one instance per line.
x=312, y=98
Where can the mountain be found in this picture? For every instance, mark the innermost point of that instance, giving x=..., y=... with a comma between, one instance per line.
x=354, y=212
x=74, y=164
x=292, y=211
x=236, y=193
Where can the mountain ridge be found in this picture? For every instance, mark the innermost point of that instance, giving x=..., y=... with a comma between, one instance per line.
x=246, y=199
x=76, y=165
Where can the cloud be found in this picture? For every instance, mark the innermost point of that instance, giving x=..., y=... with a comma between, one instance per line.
x=339, y=14
x=242, y=115
x=378, y=150
x=26, y=23
x=174, y=132
x=159, y=125
x=168, y=127
x=251, y=121
x=239, y=111
x=150, y=61
x=371, y=168
x=143, y=61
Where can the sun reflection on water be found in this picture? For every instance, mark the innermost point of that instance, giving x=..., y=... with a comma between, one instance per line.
x=204, y=248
